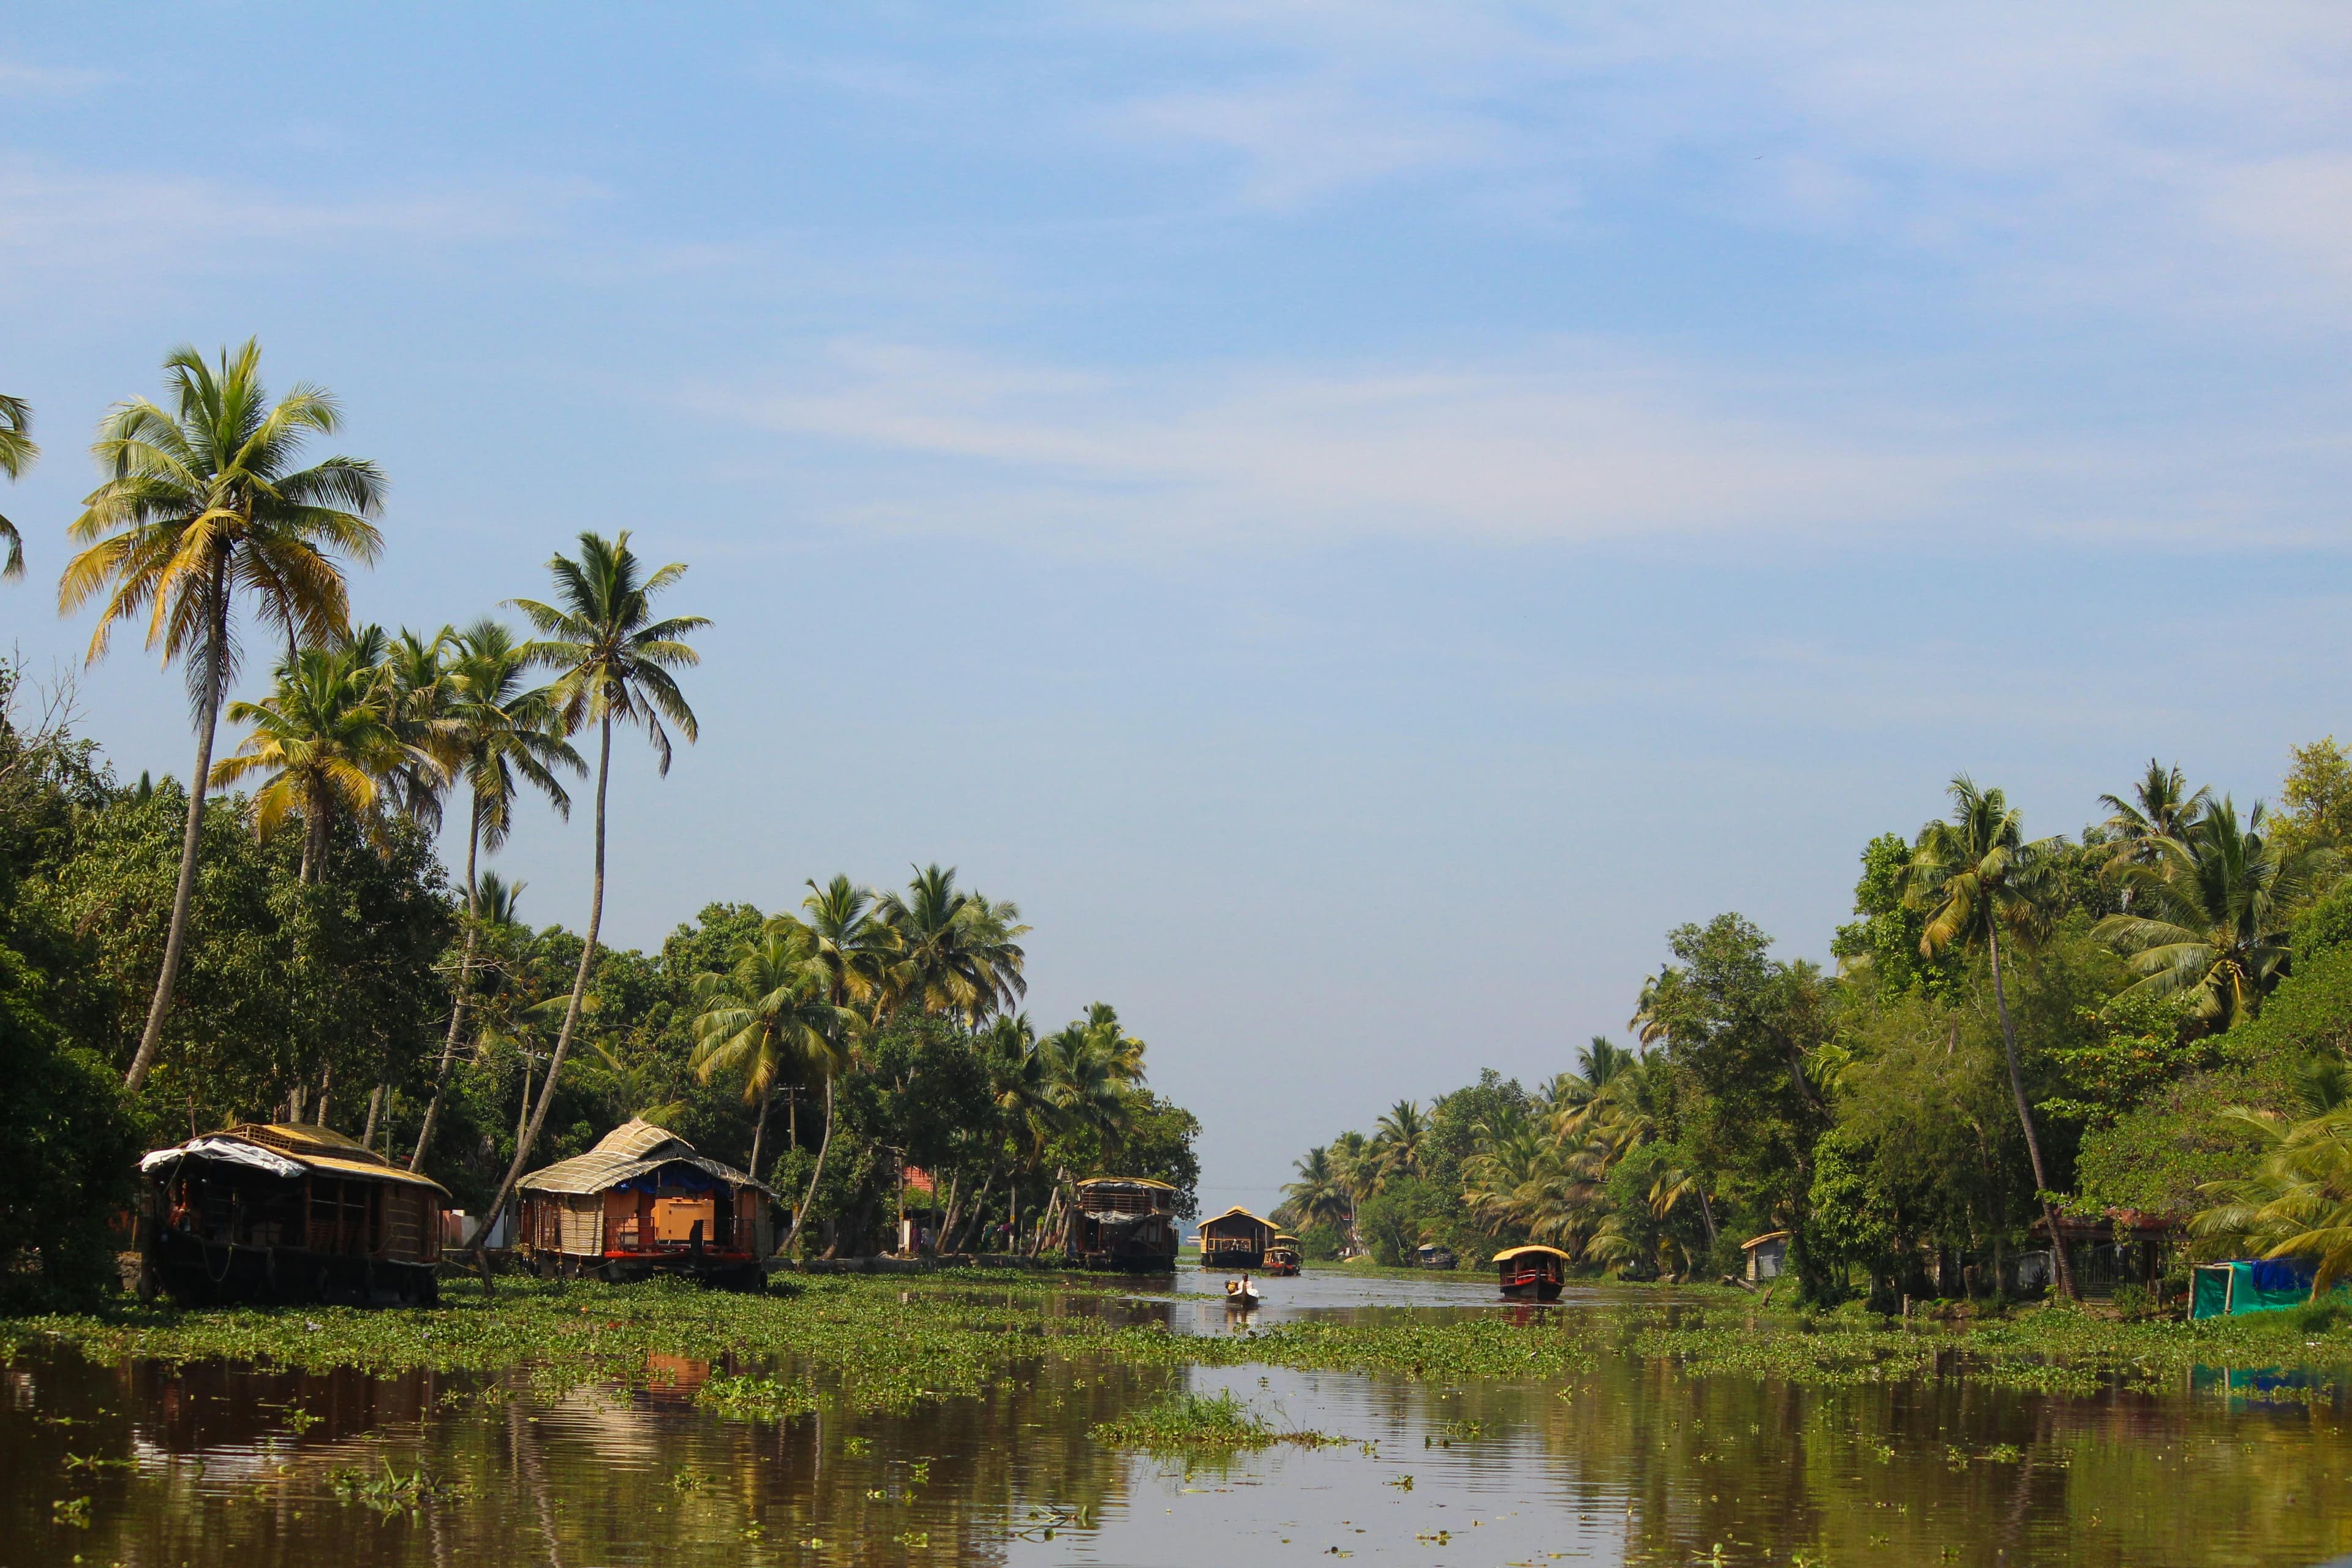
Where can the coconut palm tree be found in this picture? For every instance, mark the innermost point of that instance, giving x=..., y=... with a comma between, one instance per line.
x=769, y=1017
x=1083, y=1072
x=18, y=454
x=502, y=735
x=1124, y=1050
x=1317, y=1196
x=201, y=503
x=2162, y=808
x=2209, y=923
x=955, y=953
x=853, y=948
x=1398, y=1141
x=1977, y=880
x=323, y=744
x=2297, y=1201
x=614, y=661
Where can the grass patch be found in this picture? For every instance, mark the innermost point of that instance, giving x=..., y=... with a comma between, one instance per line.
x=1199, y=1425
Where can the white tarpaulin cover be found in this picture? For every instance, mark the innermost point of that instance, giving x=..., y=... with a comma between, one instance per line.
x=229, y=1149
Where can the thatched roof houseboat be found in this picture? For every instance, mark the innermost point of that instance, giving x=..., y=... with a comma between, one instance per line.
x=1235, y=1239
x=287, y=1212
x=1124, y=1222
x=643, y=1202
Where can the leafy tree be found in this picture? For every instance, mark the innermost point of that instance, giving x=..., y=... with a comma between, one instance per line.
x=201, y=503
x=2317, y=795
x=613, y=659
x=1882, y=949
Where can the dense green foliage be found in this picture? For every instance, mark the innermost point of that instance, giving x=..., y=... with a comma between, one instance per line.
x=2177, y=960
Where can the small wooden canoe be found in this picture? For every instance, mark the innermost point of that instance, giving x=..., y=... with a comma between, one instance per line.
x=1240, y=1297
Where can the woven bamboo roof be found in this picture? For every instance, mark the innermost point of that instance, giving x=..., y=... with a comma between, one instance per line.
x=632, y=1149
x=322, y=1150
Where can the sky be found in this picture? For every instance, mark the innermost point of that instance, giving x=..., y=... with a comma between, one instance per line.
x=1359, y=519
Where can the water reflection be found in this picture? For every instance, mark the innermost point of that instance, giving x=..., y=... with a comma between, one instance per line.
x=220, y=1466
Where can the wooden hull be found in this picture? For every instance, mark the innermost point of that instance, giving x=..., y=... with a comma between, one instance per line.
x=1281, y=1270
x=1536, y=1290
x=199, y=1273
x=1136, y=1262
x=1239, y=1301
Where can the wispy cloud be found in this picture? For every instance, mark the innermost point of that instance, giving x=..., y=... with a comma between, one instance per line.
x=82, y=221
x=21, y=78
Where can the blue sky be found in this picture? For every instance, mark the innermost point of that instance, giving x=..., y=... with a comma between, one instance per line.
x=1359, y=519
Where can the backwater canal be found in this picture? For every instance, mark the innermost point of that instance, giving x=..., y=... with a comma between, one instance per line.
x=216, y=1466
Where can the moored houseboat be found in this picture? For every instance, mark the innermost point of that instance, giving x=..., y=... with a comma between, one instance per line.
x=279, y=1212
x=1125, y=1223
x=1532, y=1273
x=1282, y=1254
x=1235, y=1239
x=643, y=1202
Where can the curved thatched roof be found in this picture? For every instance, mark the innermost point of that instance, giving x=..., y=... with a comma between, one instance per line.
x=632, y=1149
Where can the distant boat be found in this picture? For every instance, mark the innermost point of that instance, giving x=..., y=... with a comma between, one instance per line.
x=1282, y=1258
x=1241, y=1295
x=1437, y=1257
x=1532, y=1273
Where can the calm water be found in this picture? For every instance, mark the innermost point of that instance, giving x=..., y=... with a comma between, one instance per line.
x=210, y=1465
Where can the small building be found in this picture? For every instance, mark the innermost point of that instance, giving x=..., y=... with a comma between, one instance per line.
x=1125, y=1223
x=1767, y=1255
x=2120, y=1246
x=286, y=1212
x=1235, y=1239
x=643, y=1202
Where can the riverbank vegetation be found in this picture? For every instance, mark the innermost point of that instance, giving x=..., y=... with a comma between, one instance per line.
x=2142, y=1026
x=176, y=955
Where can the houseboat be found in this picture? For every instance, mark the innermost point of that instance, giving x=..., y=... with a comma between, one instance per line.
x=1282, y=1254
x=273, y=1211
x=1532, y=1273
x=1125, y=1223
x=1235, y=1239
x=1435, y=1257
x=642, y=1202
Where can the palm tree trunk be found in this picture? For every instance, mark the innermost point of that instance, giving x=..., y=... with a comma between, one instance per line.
x=760, y=1128
x=800, y=1215
x=465, y=986
x=2025, y=1118
x=571, y=1011
x=176, y=942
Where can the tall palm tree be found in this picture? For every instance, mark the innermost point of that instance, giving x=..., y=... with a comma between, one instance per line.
x=1124, y=1050
x=853, y=948
x=957, y=953
x=1317, y=1197
x=503, y=735
x=1086, y=1081
x=202, y=502
x=614, y=662
x=2162, y=808
x=17, y=453
x=419, y=693
x=324, y=743
x=1398, y=1142
x=1352, y=1162
x=1977, y=878
x=2212, y=926
x=766, y=1017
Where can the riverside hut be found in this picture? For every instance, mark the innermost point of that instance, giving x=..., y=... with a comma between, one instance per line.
x=1767, y=1256
x=275, y=1212
x=1235, y=1239
x=643, y=1202
x=1125, y=1223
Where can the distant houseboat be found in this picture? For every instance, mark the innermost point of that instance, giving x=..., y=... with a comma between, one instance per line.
x=1434, y=1256
x=1125, y=1223
x=642, y=1202
x=1532, y=1273
x=1235, y=1239
x=1282, y=1254
x=287, y=1213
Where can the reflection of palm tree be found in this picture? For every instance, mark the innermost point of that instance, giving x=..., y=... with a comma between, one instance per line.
x=615, y=660
x=1976, y=878
x=201, y=503
x=2215, y=932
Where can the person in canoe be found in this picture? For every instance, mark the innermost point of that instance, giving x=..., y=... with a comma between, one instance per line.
x=1240, y=1293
